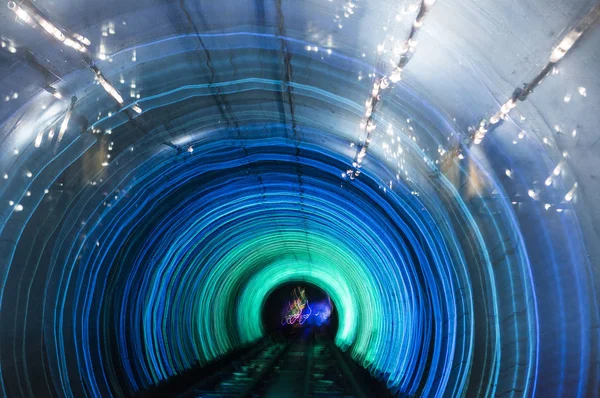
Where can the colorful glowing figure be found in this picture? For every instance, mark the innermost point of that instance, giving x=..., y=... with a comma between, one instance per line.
x=298, y=310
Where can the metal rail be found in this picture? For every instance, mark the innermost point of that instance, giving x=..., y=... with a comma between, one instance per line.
x=264, y=372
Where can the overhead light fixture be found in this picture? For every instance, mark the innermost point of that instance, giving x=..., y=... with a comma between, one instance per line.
x=20, y=12
x=82, y=39
x=33, y=17
x=564, y=46
x=55, y=93
x=569, y=196
x=38, y=139
x=65, y=123
x=557, y=54
x=380, y=84
x=113, y=92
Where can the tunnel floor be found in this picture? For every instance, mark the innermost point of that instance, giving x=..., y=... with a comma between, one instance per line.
x=300, y=365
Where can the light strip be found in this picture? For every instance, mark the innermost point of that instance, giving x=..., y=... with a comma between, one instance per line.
x=55, y=93
x=20, y=12
x=34, y=17
x=113, y=92
x=380, y=84
x=65, y=123
x=557, y=54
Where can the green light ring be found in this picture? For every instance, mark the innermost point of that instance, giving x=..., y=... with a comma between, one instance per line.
x=292, y=269
x=211, y=283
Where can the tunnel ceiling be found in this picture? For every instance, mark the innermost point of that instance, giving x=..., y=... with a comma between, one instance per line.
x=431, y=165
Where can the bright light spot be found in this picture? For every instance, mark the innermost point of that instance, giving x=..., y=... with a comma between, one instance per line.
x=532, y=194
x=571, y=193
x=19, y=207
x=582, y=91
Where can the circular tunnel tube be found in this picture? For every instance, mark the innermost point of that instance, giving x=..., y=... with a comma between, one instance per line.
x=167, y=167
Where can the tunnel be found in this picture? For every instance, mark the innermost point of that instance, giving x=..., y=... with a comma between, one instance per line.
x=429, y=167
